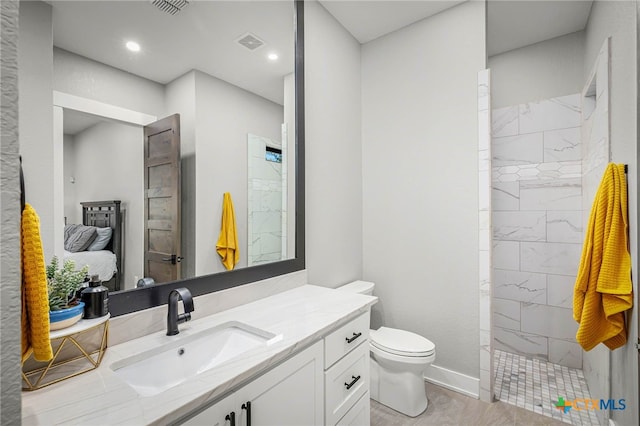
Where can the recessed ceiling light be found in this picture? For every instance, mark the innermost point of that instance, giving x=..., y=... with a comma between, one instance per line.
x=272, y=56
x=133, y=46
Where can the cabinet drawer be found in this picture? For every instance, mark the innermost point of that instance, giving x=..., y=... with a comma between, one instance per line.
x=345, y=383
x=345, y=339
x=359, y=414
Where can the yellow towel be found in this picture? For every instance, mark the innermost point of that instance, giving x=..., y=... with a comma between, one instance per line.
x=227, y=246
x=35, y=295
x=603, y=289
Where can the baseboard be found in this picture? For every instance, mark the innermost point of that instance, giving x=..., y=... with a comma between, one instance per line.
x=453, y=380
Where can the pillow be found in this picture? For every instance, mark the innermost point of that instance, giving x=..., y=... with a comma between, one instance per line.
x=102, y=239
x=70, y=230
x=80, y=239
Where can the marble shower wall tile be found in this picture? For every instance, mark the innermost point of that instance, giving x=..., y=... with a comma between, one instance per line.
x=520, y=343
x=564, y=226
x=506, y=314
x=520, y=226
x=504, y=121
x=565, y=353
x=483, y=91
x=562, y=145
x=536, y=217
x=505, y=196
x=484, y=240
x=560, y=290
x=550, y=258
x=520, y=286
x=484, y=190
x=565, y=194
x=556, y=113
x=519, y=149
x=540, y=171
x=549, y=321
x=506, y=255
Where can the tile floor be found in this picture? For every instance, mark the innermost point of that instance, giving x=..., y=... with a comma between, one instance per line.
x=449, y=408
x=536, y=386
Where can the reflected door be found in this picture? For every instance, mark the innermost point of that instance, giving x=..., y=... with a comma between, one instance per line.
x=162, y=199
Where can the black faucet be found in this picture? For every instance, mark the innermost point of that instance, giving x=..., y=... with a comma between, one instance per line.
x=173, y=319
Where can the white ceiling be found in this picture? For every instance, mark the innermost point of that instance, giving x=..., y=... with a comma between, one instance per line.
x=510, y=23
x=367, y=20
x=202, y=36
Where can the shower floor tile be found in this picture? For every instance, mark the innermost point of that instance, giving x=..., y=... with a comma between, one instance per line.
x=537, y=386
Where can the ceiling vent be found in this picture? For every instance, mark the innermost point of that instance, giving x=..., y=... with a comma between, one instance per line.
x=250, y=41
x=170, y=6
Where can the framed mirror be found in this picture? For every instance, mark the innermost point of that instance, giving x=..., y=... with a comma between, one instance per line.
x=232, y=74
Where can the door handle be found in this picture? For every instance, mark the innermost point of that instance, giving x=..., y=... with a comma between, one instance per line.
x=247, y=406
x=231, y=417
x=173, y=259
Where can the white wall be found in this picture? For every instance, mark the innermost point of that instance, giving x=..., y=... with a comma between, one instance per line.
x=36, y=118
x=543, y=70
x=89, y=79
x=333, y=157
x=224, y=115
x=420, y=180
x=618, y=19
x=109, y=166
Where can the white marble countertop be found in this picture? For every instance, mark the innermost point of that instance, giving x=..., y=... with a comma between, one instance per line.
x=302, y=315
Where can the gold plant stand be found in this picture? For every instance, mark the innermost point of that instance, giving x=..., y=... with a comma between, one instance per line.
x=52, y=372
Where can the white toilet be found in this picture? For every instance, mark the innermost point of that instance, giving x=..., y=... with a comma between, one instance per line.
x=398, y=361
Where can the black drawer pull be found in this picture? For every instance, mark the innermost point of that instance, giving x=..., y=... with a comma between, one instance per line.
x=355, y=336
x=353, y=382
x=247, y=406
x=231, y=417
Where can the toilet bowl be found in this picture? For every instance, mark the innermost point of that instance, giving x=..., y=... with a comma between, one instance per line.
x=399, y=359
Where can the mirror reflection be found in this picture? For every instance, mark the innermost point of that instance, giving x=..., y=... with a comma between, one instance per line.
x=165, y=110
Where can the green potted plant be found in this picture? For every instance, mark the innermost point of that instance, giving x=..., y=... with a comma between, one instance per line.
x=63, y=283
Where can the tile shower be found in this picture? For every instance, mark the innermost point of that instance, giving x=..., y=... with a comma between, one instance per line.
x=537, y=227
x=546, y=159
x=267, y=200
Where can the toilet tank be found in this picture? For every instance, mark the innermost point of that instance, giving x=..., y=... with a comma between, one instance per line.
x=360, y=287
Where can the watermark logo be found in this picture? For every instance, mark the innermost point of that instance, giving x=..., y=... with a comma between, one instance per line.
x=581, y=404
x=563, y=405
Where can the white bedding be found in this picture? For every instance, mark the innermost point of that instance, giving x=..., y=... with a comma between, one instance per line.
x=101, y=262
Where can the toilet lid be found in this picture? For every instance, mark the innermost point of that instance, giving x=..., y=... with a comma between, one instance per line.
x=401, y=342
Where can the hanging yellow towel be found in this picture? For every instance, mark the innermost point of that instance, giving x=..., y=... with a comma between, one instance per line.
x=227, y=246
x=603, y=289
x=35, y=295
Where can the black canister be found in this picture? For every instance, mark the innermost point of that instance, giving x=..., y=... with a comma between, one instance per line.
x=95, y=298
x=84, y=285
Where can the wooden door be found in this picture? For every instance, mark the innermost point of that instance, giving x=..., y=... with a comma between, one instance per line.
x=162, y=199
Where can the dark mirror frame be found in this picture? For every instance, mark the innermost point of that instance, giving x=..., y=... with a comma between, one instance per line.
x=133, y=300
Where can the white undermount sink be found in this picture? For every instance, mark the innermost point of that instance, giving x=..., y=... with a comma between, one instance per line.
x=183, y=358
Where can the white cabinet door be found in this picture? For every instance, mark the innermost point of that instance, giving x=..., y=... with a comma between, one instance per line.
x=219, y=414
x=290, y=394
x=359, y=414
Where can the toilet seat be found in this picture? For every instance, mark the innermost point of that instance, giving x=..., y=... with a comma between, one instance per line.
x=401, y=342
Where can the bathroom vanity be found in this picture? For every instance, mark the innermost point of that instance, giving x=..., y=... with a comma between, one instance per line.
x=310, y=366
